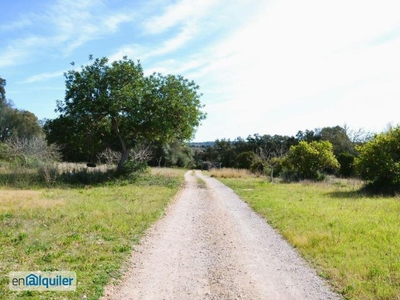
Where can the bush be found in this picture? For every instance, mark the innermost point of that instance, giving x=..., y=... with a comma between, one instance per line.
x=48, y=172
x=346, y=161
x=259, y=167
x=310, y=160
x=134, y=167
x=86, y=176
x=379, y=161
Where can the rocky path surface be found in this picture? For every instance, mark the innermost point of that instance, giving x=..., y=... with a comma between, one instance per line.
x=211, y=245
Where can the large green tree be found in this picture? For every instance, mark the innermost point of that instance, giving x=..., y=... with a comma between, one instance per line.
x=126, y=107
x=379, y=159
x=339, y=139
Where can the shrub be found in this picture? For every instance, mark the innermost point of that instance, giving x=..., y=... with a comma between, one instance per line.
x=310, y=160
x=379, y=161
x=346, y=161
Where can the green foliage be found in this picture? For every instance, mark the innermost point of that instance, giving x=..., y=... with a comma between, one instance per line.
x=78, y=141
x=2, y=90
x=133, y=167
x=379, y=161
x=122, y=107
x=15, y=123
x=346, y=161
x=84, y=176
x=244, y=160
x=175, y=153
x=310, y=160
x=259, y=166
x=338, y=138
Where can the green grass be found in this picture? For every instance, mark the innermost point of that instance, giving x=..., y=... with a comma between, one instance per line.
x=353, y=240
x=90, y=230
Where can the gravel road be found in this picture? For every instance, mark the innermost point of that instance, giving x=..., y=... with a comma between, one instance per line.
x=211, y=245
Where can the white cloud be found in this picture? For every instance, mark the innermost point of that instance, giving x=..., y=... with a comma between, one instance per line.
x=183, y=11
x=18, y=24
x=43, y=77
x=65, y=26
x=292, y=60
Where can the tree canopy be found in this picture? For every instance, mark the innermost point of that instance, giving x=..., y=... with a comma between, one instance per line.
x=115, y=104
x=379, y=159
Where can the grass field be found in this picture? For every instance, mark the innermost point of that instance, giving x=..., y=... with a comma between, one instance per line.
x=352, y=239
x=89, y=230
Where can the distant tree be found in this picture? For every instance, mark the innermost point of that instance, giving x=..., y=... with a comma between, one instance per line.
x=379, y=160
x=241, y=145
x=338, y=138
x=129, y=108
x=307, y=136
x=175, y=153
x=308, y=160
x=244, y=160
x=226, y=153
x=2, y=90
x=358, y=136
x=15, y=123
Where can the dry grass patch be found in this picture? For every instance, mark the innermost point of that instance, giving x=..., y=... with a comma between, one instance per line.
x=167, y=172
x=15, y=200
x=230, y=173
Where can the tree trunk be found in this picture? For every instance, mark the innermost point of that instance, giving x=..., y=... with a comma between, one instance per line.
x=124, y=157
x=125, y=150
x=159, y=161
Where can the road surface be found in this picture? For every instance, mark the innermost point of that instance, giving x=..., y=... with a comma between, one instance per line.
x=211, y=245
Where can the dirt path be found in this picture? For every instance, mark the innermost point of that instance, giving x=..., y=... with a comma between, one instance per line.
x=211, y=245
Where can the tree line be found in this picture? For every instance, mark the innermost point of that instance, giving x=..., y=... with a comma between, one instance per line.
x=112, y=112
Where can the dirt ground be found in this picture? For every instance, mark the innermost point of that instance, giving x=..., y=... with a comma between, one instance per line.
x=211, y=245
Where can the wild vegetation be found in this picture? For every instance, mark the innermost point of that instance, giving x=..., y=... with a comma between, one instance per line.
x=313, y=155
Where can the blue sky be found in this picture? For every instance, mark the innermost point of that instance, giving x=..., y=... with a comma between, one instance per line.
x=267, y=67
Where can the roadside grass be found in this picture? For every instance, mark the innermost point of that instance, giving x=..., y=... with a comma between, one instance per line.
x=353, y=240
x=90, y=230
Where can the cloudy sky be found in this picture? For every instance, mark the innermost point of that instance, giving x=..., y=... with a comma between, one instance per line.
x=263, y=66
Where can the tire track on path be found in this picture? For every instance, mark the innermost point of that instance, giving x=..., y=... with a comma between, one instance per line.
x=211, y=245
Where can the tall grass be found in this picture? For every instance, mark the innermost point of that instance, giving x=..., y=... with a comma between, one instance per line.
x=229, y=173
x=90, y=230
x=352, y=239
